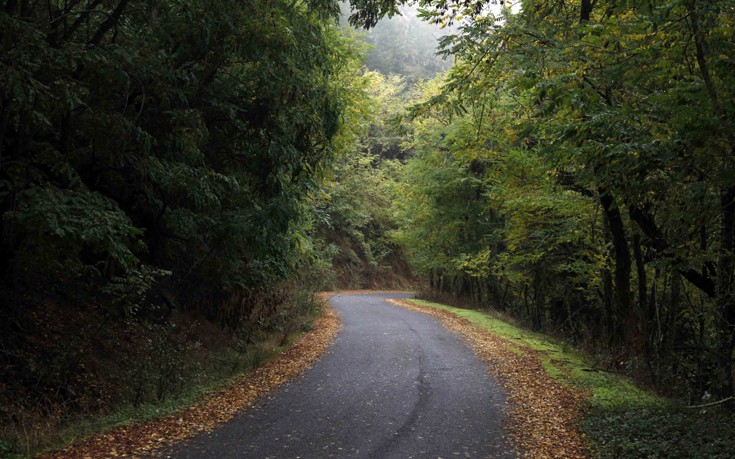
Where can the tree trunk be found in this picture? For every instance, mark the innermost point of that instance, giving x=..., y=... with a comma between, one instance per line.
x=539, y=298
x=607, y=290
x=622, y=272
x=641, y=272
x=672, y=322
x=655, y=336
x=641, y=317
x=723, y=379
x=585, y=10
x=503, y=298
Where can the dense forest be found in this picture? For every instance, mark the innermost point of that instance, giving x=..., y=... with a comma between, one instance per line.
x=161, y=175
x=177, y=178
x=574, y=169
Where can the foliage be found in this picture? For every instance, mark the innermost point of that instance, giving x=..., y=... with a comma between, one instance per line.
x=356, y=203
x=665, y=432
x=478, y=208
x=573, y=168
x=125, y=434
x=157, y=159
x=175, y=136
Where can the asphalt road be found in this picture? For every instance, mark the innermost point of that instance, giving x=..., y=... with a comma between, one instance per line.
x=395, y=384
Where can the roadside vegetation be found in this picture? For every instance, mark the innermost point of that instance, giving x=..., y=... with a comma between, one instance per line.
x=161, y=373
x=620, y=419
x=573, y=170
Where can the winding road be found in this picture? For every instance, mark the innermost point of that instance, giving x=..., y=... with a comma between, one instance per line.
x=395, y=384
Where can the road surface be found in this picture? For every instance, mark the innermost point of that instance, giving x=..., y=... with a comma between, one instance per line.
x=395, y=384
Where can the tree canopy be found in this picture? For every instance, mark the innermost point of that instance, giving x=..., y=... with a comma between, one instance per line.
x=159, y=165
x=164, y=142
x=575, y=167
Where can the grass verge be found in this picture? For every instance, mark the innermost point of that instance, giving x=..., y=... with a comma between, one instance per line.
x=620, y=420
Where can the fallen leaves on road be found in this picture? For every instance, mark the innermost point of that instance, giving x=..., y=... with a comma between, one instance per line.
x=543, y=414
x=141, y=439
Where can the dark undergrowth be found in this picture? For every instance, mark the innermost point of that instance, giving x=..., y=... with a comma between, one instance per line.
x=669, y=430
x=78, y=383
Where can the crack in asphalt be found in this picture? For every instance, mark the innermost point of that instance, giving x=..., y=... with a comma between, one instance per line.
x=424, y=389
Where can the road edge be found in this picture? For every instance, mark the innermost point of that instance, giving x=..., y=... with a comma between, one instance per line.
x=218, y=408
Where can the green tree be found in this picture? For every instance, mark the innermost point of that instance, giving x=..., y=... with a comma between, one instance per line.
x=356, y=203
x=630, y=105
x=156, y=157
x=183, y=137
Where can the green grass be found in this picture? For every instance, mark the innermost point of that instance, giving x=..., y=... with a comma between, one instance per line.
x=620, y=419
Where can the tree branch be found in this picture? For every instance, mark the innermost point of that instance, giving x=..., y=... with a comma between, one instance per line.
x=109, y=23
x=646, y=223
